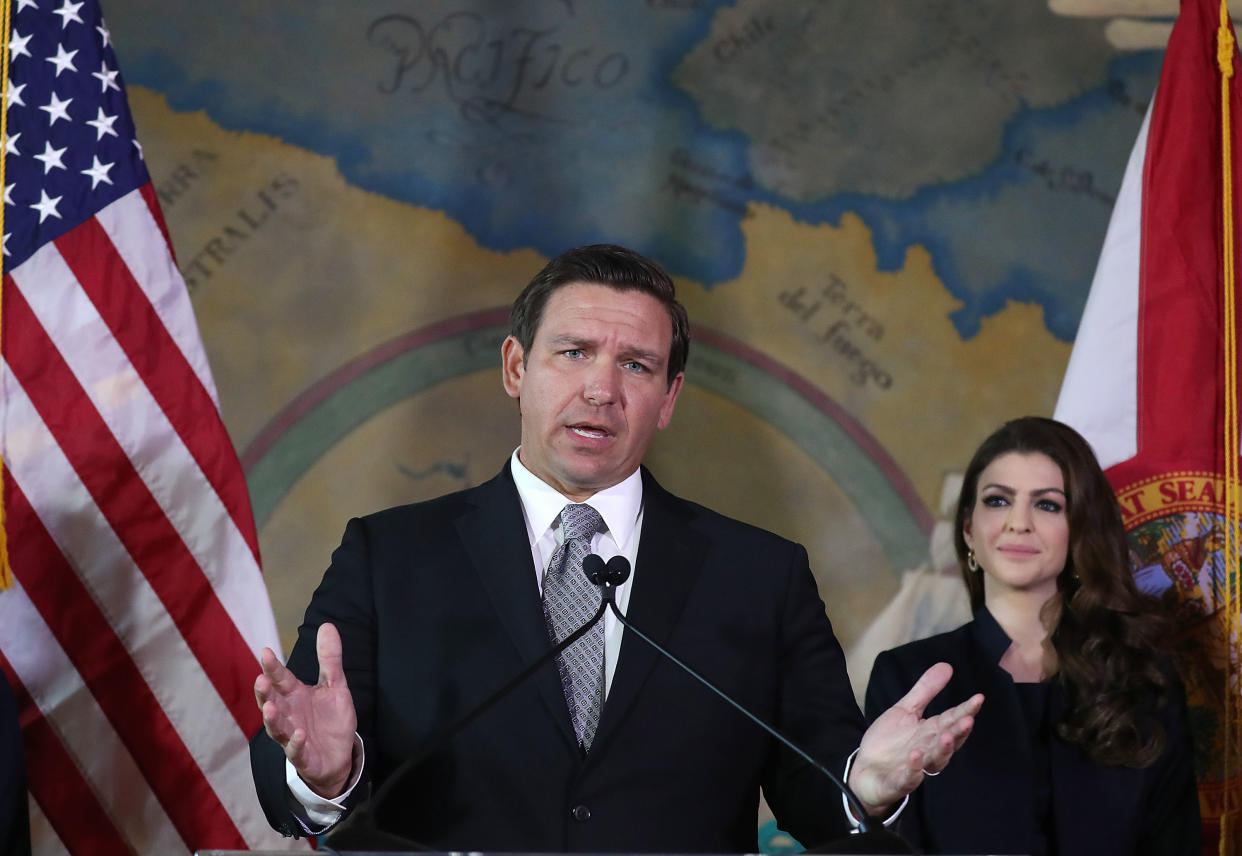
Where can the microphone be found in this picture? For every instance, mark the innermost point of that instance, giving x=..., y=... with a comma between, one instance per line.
x=872, y=837
x=606, y=576
x=360, y=831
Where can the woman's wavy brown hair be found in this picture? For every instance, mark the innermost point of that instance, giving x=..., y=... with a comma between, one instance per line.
x=1106, y=635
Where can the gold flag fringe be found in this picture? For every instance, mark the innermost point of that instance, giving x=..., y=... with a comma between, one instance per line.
x=1225, y=51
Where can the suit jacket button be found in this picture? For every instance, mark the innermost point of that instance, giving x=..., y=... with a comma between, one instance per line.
x=581, y=813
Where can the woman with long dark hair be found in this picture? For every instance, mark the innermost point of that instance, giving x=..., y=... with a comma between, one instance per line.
x=1081, y=746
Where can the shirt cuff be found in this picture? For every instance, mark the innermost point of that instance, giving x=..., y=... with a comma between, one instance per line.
x=845, y=804
x=320, y=811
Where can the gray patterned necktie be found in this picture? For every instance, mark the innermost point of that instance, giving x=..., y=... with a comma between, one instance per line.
x=569, y=601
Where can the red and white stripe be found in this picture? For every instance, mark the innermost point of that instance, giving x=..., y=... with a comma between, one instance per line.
x=131, y=635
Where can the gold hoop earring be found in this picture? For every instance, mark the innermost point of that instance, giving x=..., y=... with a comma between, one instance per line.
x=971, y=562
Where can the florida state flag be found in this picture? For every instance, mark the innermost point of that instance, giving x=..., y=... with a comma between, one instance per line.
x=1152, y=381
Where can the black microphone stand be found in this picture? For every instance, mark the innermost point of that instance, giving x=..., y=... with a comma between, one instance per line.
x=873, y=836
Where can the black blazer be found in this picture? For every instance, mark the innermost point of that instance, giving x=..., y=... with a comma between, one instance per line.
x=982, y=802
x=437, y=605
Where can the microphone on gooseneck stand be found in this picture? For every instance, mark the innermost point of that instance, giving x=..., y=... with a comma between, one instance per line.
x=872, y=836
x=360, y=831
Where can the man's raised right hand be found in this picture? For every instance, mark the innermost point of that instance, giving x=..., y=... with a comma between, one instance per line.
x=315, y=725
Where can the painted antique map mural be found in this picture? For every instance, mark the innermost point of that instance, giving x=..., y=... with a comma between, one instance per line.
x=882, y=216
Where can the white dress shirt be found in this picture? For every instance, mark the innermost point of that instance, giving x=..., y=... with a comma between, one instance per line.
x=621, y=506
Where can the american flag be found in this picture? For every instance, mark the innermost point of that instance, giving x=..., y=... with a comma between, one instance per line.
x=136, y=609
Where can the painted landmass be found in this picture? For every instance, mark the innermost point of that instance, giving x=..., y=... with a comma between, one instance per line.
x=870, y=97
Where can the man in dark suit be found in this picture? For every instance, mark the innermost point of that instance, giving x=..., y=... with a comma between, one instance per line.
x=427, y=609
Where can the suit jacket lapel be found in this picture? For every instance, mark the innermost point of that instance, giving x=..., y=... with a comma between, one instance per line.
x=670, y=558
x=494, y=536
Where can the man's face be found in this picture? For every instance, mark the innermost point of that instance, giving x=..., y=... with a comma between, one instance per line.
x=594, y=388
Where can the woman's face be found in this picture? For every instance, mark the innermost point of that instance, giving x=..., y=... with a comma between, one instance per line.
x=1019, y=528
